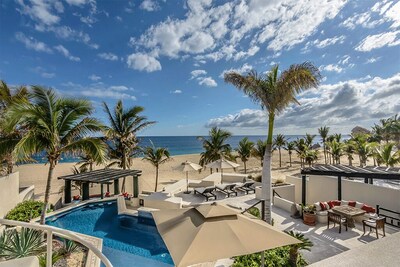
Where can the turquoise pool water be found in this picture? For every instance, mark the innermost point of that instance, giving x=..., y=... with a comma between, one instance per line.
x=127, y=240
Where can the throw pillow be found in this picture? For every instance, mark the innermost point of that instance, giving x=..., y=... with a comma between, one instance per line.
x=352, y=203
x=344, y=202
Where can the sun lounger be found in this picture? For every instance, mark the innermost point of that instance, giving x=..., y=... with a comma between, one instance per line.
x=246, y=187
x=227, y=189
x=207, y=192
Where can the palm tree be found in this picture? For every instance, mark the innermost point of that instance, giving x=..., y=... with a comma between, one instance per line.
x=305, y=244
x=279, y=142
x=336, y=151
x=215, y=146
x=8, y=140
x=274, y=92
x=363, y=148
x=309, y=138
x=244, y=150
x=310, y=156
x=56, y=125
x=156, y=156
x=124, y=126
x=323, y=132
x=349, y=150
x=259, y=150
x=290, y=146
x=387, y=155
x=301, y=148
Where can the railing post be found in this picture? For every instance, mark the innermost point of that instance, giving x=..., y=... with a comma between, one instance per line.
x=49, y=256
x=263, y=209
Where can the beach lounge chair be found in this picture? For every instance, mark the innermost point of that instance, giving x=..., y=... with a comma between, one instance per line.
x=207, y=192
x=227, y=189
x=246, y=187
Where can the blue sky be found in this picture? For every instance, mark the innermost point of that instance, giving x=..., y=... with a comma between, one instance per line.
x=169, y=56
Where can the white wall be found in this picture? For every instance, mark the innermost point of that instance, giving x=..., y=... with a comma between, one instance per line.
x=9, y=193
x=324, y=188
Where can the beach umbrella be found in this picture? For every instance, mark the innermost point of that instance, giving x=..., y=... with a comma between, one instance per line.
x=186, y=167
x=222, y=164
x=207, y=233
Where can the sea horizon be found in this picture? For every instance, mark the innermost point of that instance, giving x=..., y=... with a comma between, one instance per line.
x=181, y=145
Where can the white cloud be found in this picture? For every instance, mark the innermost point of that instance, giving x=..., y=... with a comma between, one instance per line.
x=323, y=43
x=331, y=67
x=94, y=77
x=41, y=11
x=99, y=90
x=176, y=92
x=196, y=73
x=235, y=29
x=149, y=5
x=77, y=2
x=66, y=53
x=32, y=43
x=376, y=41
x=207, y=81
x=372, y=60
x=342, y=106
x=143, y=62
x=42, y=72
x=243, y=69
x=108, y=56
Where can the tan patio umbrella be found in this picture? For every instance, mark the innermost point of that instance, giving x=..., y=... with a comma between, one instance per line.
x=222, y=164
x=211, y=232
x=186, y=167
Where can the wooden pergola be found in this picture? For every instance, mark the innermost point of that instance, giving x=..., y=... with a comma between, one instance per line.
x=369, y=173
x=103, y=176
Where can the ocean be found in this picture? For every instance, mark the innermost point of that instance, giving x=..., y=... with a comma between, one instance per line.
x=180, y=145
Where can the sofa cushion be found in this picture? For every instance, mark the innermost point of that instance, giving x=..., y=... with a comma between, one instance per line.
x=317, y=206
x=336, y=202
x=359, y=204
x=368, y=209
x=352, y=203
x=344, y=202
x=324, y=206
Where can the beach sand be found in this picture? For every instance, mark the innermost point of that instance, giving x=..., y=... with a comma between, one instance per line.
x=36, y=174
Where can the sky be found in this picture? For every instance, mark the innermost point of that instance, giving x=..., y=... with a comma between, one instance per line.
x=170, y=57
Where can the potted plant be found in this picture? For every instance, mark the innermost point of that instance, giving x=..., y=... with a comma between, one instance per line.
x=309, y=216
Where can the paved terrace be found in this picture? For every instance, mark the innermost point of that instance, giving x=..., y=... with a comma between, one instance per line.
x=327, y=242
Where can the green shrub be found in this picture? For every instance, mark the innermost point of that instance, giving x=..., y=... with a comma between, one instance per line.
x=25, y=211
x=278, y=257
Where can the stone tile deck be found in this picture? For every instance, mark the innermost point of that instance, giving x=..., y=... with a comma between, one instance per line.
x=327, y=242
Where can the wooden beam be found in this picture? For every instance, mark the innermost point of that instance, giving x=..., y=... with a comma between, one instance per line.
x=85, y=191
x=67, y=192
x=339, y=179
x=303, y=189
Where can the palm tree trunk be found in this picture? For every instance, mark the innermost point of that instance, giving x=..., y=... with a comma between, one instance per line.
x=10, y=166
x=47, y=192
x=155, y=189
x=293, y=254
x=124, y=168
x=245, y=169
x=324, y=151
x=266, y=172
x=290, y=160
x=280, y=158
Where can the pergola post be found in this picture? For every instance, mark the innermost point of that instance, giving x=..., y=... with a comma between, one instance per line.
x=135, y=186
x=108, y=187
x=116, y=187
x=303, y=189
x=366, y=180
x=101, y=191
x=371, y=181
x=67, y=191
x=339, y=187
x=85, y=191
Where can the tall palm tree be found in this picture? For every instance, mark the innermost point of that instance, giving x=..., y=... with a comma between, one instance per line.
x=310, y=156
x=349, y=150
x=244, y=150
x=274, y=92
x=301, y=148
x=279, y=142
x=387, y=155
x=56, y=125
x=309, y=138
x=290, y=146
x=8, y=140
x=215, y=146
x=336, y=150
x=125, y=123
x=259, y=150
x=156, y=156
x=323, y=132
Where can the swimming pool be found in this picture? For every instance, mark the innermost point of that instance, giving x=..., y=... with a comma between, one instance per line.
x=127, y=240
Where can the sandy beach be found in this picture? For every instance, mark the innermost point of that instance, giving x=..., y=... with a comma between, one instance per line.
x=36, y=174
